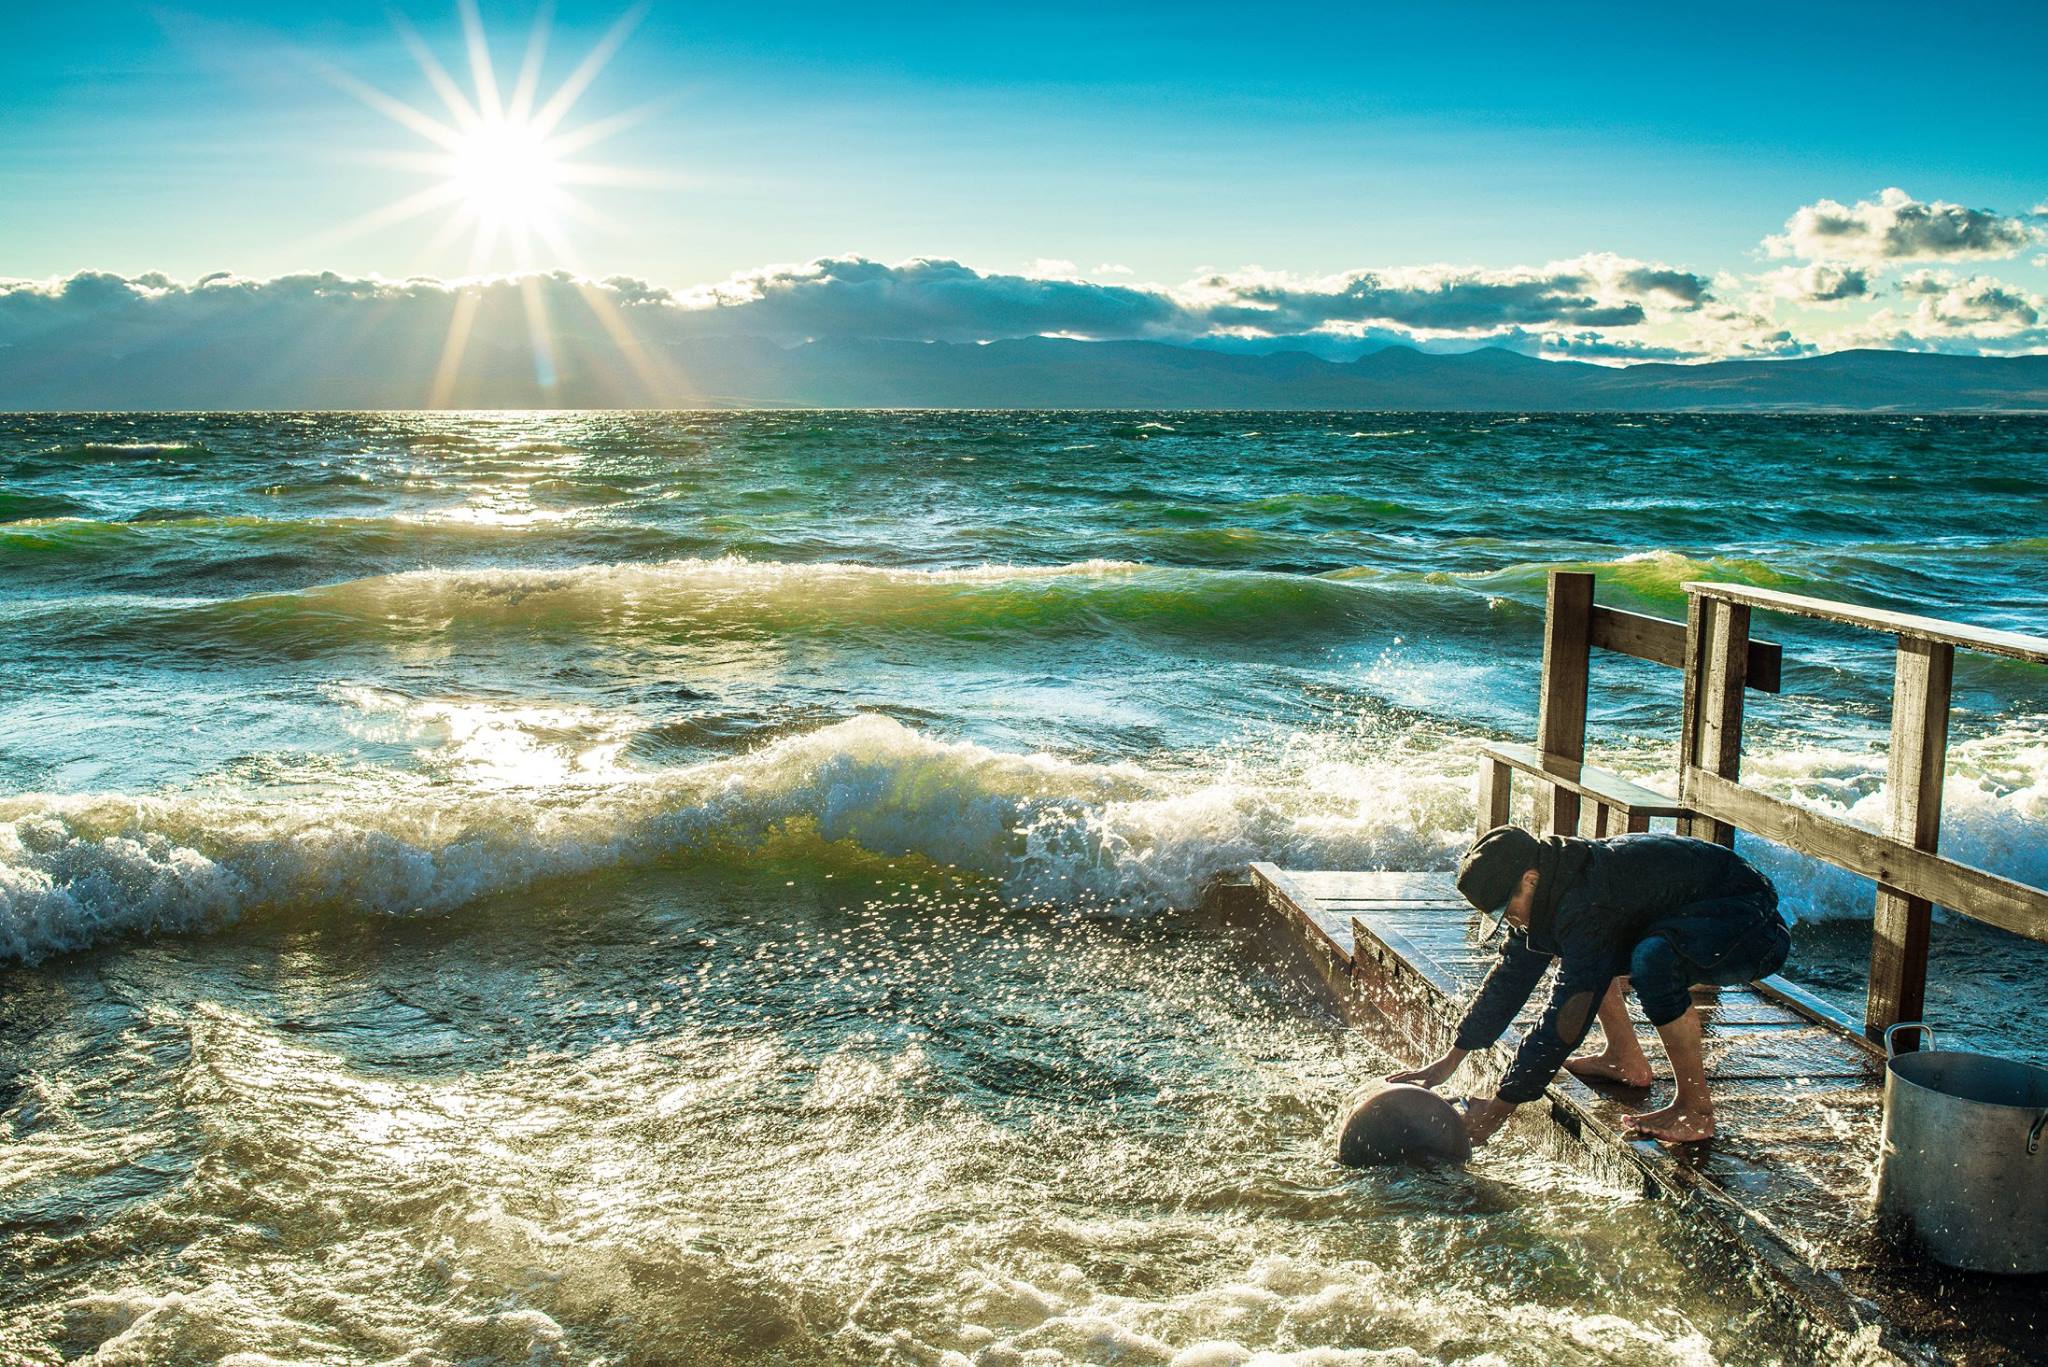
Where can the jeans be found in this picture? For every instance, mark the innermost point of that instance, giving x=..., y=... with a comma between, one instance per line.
x=1717, y=943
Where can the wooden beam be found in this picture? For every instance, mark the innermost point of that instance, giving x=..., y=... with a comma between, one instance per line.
x=1561, y=710
x=1717, y=647
x=1962, y=888
x=1495, y=791
x=1584, y=779
x=1919, y=761
x=1603, y=820
x=1663, y=642
x=1990, y=640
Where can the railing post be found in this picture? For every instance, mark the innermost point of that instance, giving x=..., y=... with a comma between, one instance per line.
x=1495, y=791
x=1919, y=761
x=1561, y=710
x=1716, y=671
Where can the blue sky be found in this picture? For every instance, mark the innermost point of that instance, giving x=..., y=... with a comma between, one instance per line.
x=1166, y=140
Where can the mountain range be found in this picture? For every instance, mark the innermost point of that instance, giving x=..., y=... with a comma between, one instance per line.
x=256, y=370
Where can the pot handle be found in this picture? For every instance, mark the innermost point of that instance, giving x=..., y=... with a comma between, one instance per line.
x=1921, y=1026
x=2034, y=1135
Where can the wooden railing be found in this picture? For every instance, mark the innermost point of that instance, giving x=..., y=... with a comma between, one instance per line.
x=1721, y=663
x=1910, y=875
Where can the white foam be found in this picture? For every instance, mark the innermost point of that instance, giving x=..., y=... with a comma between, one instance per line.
x=505, y=795
x=498, y=809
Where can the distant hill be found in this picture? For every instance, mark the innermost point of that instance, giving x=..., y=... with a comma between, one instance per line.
x=256, y=370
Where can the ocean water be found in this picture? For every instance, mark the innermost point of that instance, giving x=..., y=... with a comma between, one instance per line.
x=726, y=886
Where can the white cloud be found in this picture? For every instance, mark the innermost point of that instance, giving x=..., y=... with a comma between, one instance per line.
x=1050, y=268
x=1820, y=283
x=1897, y=227
x=1112, y=268
x=1966, y=315
x=1589, y=291
x=1976, y=304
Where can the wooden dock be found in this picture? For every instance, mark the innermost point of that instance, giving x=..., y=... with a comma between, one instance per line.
x=1781, y=1196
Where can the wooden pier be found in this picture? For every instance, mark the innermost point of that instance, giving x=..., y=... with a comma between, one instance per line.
x=1782, y=1195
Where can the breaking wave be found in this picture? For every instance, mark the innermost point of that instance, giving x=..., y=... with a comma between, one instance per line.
x=733, y=595
x=513, y=798
x=80, y=869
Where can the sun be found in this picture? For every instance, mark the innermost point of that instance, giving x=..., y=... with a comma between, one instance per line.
x=501, y=167
x=508, y=177
x=498, y=163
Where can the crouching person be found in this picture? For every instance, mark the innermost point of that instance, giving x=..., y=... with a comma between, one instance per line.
x=1659, y=912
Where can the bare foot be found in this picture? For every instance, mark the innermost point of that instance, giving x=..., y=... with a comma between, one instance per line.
x=1633, y=1072
x=1673, y=1125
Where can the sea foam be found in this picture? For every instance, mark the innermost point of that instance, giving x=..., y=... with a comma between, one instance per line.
x=507, y=797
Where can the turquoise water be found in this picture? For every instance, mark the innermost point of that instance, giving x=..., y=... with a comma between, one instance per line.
x=662, y=886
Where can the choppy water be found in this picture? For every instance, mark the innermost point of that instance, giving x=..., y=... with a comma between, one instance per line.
x=667, y=887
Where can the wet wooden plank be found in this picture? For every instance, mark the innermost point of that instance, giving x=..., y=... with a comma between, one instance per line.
x=1923, y=678
x=1663, y=642
x=1963, y=888
x=1561, y=701
x=1990, y=640
x=1585, y=779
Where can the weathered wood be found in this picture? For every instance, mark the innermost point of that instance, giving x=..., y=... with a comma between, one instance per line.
x=1663, y=642
x=1496, y=791
x=1586, y=780
x=1919, y=762
x=1962, y=888
x=1717, y=637
x=1561, y=710
x=1990, y=640
x=1602, y=816
x=1692, y=675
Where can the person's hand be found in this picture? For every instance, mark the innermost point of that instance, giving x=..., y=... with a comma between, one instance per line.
x=1483, y=1115
x=1431, y=1075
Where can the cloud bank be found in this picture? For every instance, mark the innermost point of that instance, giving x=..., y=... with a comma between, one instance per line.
x=1862, y=279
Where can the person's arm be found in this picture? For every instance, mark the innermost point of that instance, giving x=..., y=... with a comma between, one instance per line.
x=1493, y=1009
x=1573, y=1002
x=1581, y=983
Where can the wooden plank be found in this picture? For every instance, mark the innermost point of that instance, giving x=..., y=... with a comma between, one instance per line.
x=1990, y=640
x=1919, y=762
x=1788, y=993
x=1496, y=791
x=1602, y=818
x=1334, y=934
x=1375, y=886
x=1561, y=708
x=1692, y=676
x=1716, y=647
x=1962, y=888
x=1585, y=779
x=1661, y=641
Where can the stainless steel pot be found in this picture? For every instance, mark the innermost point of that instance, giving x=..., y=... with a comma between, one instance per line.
x=1963, y=1166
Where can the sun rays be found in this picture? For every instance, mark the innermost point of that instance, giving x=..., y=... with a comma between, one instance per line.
x=502, y=167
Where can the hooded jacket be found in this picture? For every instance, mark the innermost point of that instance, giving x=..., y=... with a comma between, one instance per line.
x=1606, y=897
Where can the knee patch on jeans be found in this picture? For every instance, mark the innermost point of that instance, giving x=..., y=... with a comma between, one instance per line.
x=1661, y=979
